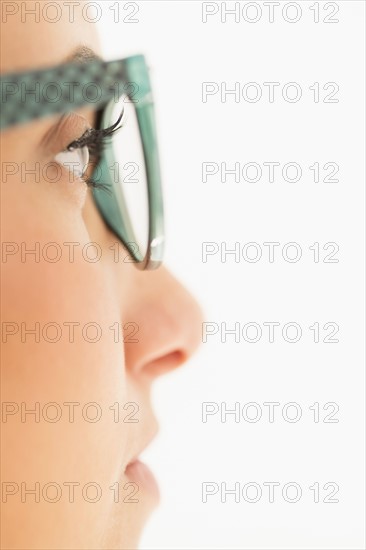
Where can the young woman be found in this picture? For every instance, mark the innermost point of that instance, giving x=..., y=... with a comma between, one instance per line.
x=89, y=319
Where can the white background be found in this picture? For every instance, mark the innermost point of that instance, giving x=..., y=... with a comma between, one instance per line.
x=183, y=52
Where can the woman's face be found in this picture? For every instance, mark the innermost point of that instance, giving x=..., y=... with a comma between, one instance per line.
x=63, y=325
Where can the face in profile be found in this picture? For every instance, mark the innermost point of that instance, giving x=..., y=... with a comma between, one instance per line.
x=83, y=340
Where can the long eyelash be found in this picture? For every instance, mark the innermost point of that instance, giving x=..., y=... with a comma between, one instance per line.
x=96, y=140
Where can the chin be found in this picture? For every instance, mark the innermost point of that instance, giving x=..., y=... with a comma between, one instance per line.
x=128, y=519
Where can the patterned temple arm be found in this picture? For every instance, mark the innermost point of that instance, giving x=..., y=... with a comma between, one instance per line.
x=37, y=94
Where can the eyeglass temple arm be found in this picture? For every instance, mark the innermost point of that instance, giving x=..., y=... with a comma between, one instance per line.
x=37, y=94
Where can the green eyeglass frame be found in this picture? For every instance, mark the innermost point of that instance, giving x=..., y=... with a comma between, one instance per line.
x=24, y=98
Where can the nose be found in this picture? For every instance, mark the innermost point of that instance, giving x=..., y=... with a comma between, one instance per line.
x=169, y=323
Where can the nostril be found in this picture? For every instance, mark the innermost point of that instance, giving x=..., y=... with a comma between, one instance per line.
x=165, y=363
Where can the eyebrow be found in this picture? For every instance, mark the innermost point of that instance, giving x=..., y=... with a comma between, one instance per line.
x=82, y=54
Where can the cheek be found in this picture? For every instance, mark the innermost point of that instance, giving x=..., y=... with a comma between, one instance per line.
x=60, y=322
x=59, y=325
x=42, y=193
x=59, y=348
x=58, y=282
x=63, y=186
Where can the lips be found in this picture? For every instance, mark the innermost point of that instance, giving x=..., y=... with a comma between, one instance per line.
x=139, y=473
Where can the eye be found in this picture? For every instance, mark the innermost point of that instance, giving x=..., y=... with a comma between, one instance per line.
x=74, y=159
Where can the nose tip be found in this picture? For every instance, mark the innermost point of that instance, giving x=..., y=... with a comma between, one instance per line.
x=169, y=323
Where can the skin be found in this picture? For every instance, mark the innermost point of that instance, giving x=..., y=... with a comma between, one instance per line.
x=104, y=372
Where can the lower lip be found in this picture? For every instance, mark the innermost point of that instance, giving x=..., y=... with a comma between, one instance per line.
x=139, y=473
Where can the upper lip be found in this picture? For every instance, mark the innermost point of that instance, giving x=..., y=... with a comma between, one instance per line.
x=137, y=448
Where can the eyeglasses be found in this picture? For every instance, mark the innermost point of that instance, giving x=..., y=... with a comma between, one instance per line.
x=130, y=196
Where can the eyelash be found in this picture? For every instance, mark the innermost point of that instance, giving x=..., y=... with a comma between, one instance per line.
x=95, y=140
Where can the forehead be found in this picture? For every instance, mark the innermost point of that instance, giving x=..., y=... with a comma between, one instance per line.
x=29, y=39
